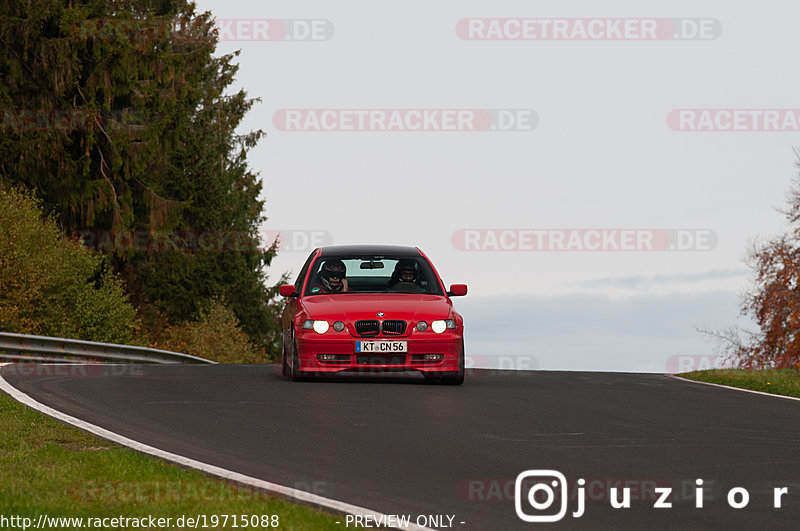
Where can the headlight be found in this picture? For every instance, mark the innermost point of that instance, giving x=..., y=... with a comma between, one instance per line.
x=319, y=327
x=422, y=326
x=338, y=326
x=441, y=325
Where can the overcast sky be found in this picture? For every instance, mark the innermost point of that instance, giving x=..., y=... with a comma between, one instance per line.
x=600, y=144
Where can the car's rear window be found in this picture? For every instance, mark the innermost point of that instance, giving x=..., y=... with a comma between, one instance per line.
x=373, y=274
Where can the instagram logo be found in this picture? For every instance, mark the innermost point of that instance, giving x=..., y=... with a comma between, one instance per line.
x=542, y=495
x=539, y=497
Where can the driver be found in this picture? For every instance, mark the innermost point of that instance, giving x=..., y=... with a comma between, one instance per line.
x=404, y=271
x=331, y=278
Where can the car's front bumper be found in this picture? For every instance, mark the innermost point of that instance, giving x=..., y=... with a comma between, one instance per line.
x=347, y=359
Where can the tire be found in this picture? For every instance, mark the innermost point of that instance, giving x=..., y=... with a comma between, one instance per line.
x=296, y=373
x=294, y=361
x=285, y=368
x=432, y=376
x=455, y=377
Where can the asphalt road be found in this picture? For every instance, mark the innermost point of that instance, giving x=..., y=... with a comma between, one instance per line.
x=402, y=446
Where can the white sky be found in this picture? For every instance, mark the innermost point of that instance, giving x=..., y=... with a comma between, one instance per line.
x=601, y=157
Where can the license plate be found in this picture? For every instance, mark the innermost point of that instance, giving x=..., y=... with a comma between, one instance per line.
x=381, y=346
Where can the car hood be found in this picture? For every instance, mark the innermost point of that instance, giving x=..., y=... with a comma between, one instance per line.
x=351, y=307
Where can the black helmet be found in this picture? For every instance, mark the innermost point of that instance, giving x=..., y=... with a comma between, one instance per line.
x=330, y=270
x=403, y=266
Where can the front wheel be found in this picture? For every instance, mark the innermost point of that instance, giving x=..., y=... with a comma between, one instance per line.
x=294, y=360
x=286, y=368
x=297, y=375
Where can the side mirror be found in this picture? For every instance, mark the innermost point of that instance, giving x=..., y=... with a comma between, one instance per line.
x=457, y=290
x=287, y=290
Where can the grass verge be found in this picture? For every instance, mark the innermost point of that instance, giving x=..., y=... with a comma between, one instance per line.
x=50, y=468
x=775, y=381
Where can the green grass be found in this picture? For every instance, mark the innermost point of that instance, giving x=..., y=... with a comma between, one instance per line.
x=51, y=468
x=775, y=381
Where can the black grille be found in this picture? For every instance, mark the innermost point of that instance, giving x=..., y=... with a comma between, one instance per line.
x=381, y=360
x=392, y=327
x=367, y=328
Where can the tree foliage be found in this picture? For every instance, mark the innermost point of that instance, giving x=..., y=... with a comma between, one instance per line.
x=774, y=301
x=215, y=335
x=52, y=286
x=117, y=114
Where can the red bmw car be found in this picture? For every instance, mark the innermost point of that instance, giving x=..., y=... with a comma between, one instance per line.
x=371, y=308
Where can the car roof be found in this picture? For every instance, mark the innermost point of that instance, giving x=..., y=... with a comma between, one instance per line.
x=369, y=250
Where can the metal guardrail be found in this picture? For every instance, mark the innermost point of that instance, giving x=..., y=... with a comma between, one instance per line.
x=61, y=350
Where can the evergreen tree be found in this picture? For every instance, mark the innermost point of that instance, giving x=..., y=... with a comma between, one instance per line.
x=116, y=113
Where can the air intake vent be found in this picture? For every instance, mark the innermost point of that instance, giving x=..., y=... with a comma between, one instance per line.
x=381, y=360
x=392, y=327
x=367, y=328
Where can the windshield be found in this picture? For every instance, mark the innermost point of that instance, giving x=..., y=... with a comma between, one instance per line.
x=372, y=274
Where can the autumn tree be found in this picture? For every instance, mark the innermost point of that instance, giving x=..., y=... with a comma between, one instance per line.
x=774, y=300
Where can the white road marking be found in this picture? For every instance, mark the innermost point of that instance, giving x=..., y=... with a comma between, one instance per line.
x=734, y=388
x=281, y=490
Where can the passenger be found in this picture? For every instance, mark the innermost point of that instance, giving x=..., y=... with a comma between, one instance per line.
x=404, y=271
